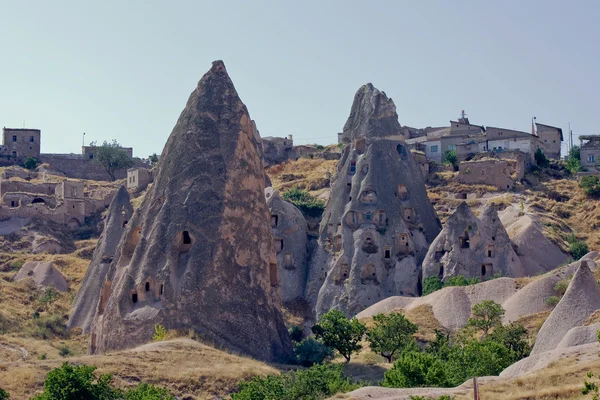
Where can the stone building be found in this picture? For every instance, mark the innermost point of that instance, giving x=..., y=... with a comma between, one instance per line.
x=590, y=151
x=290, y=230
x=198, y=253
x=551, y=139
x=138, y=178
x=21, y=143
x=487, y=170
x=378, y=222
x=277, y=149
x=472, y=247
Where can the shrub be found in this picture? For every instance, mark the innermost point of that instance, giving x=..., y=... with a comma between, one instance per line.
x=540, y=158
x=31, y=163
x=64, y=351
x=413, y=369
x=336, y=331
x=590, y=185
x=160, y=333
x=513, y=337
x=431, y=284
x=450, y=159
x=148, y=392
x=311, y=351
x=309, y=205
x=42, y=356
x=578, y=248
x=460, y=280
x=561, y=286
x=315, y=383
x=391, y=334
x=552, y=300
x=49, y=296
x=49, y=327
x=4, y=395
x=296, y=333
x=486, y=315
x=76, y=382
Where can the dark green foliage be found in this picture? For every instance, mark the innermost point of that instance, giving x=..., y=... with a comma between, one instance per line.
x=64, y=351
x=75, y=382
x=573, y=161
x=540, y=158
x=311, y=351
x=552, y=300
x=153, y=159
x=391, y=334
x=309, y=205
x=112, y=157
x=590, y=185
x=296, y=333
x=413, y=369
x=460, y=280
x=320, y=147
x=49, y=296
x=48, y=327
x=148, y=392
x=31, y=163
x=578, y=248
x=4, y=395
x=486, y=315
x=433, y=283
x=450, y=159
x=336, y=331
x=512, y=336
x=315, y=383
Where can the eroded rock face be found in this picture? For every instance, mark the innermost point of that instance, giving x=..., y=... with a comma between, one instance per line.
x=198, y=253
x=472, y=247
x=88, y=296
x=290, y=237
x=378, y=222
x=44, y=274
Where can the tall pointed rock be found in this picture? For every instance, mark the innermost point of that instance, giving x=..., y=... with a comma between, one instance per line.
x=198, y=254
x=86, y=300
x=378, y=222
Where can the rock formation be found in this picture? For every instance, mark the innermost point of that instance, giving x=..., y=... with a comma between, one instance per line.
x=198, y=254
x=44, y=274
x=378, y=222
x=290, y=237
x=580, y=300
x=373, y=115
x=86, y=300
x=472, y=247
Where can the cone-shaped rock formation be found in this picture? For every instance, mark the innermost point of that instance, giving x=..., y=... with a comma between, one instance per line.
x=86, y=300
x=580, y=300
x=290, y=237
x=378, y=222
x=198, y=253
x=472, y=247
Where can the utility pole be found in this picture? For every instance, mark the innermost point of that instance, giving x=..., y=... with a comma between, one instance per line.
x=83, y=141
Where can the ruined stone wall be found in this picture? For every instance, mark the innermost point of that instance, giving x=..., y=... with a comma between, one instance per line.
x=499, y=173
x=75, y=166
x=7, y=186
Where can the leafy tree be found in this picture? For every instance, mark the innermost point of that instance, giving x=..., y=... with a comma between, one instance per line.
x=540, y=158
x=573, y=163
x=413, y=369
x=148, y=392
x=74, y=382
x=578, y=248
x=296, y=333
x=450, y=159
x=459, y=280
x=336, y=331
x=31, y=163
x=390, y=334
x=431, y=284
x=590, y=185
x=153, y=159
x=4, y=395
x=477, y=358
x=112, y=157
x=513, y=337
x=311, y=351
x=309, y=205
x=486, y=315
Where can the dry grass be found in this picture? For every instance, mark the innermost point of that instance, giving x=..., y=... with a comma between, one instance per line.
x=189, y=369
x=305, y=173
x=533, y=323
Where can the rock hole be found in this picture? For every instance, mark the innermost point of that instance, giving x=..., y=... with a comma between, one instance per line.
x=125, y=223
x=274, y=220
x=134, y=298
x=147, y=286
x=273, y=274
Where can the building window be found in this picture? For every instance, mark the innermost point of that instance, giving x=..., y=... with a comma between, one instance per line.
x=352, y=167
x=368, y=216
x=433, y=148
x=14, y=138
x=591, y=158
x=451, y=147
x=31, y=139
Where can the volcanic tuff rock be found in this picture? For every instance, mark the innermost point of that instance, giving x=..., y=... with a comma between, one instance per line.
x=44, y=274
x=86, y=300
x=290, y=237
x=580, y=300
x=472, y=247
x=198, y=254
x=372, y=115
x=378, y=222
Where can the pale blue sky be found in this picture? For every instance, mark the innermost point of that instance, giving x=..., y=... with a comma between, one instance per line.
x=124, y=69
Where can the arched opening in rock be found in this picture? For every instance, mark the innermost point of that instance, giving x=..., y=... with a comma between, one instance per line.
x=185, y=242
x=360, y=146
x=278, y=245
x=134, y=298
x=147, y=286
x=38, y=200
x=486, y=270
x=125, y=223
x=441, y=273
x=352, y=169
x=464, y=241
x=387, y=254
x=490, y=250
x=401, y=150
x=274, y=220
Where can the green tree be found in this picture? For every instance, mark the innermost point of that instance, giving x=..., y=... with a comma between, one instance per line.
x=390, y=334
x=336, y=331
x=450, y=159
x=431, y=284
x=311, y=351
x=573, y=160
x=31, y=163
x=153, y=159
x=578, y=248
x=75, y=382
x=590, y=185
x=4, y=395
x=413, y=369
x=540, y=158
x=308, y=204
x=112, y=157
x=148, y=392
x=477, y=358
x=486, y=315
x=514, y=338
x=296, y=333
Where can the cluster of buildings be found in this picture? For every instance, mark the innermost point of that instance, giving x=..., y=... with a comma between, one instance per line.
x=590, y=152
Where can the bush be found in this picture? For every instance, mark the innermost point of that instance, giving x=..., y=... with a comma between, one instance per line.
x=561, y=286
x=336, y=331
x=4, y=395
x=311, y=351
x=160, y=333
x=552, y=300
x=590, y=185
x=296, y=333
x=49, y=327
x=148, y=392
x=309, y=205
x=431, y=284
x=315, y=383
x=450, y=159
x=64, y=351
x=31, y=163
x=513, y=337
x=413, y=369
x=76, y=382
x=391, y=334
x=578, y=248
x=540, y=158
